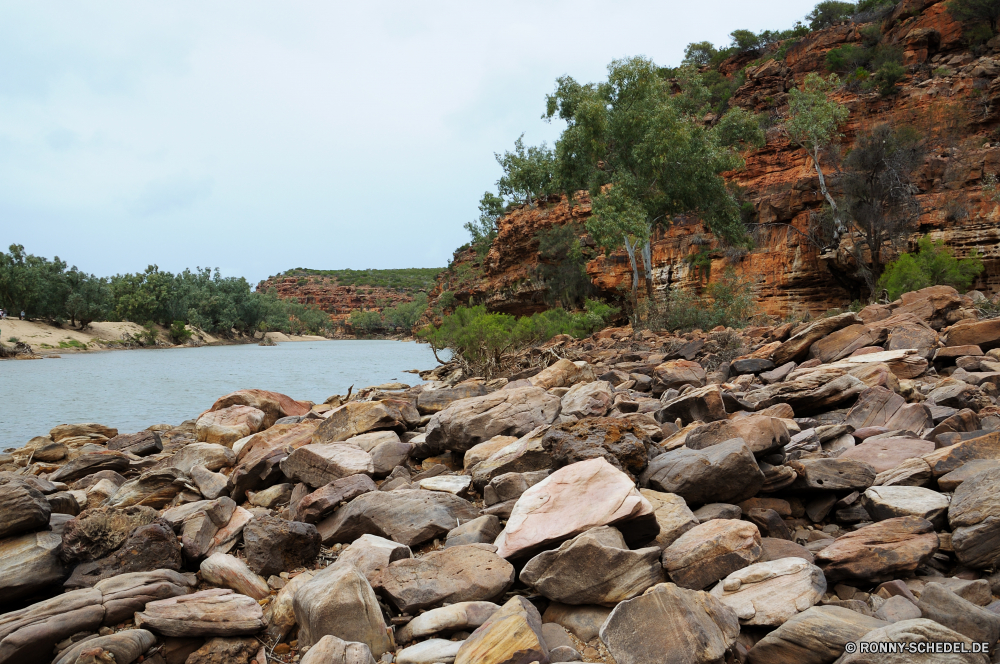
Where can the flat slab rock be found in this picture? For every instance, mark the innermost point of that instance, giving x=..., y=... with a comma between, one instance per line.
x=880, y=552
x=771, y=593
x=816, y=636
x=722, y=473
x=514, y=412
x=456, y=574
x=568, y=502
x=595, y=567
x=461, y=616
x=215, y=612
x=407, y=517
x=711, y=551
x=512, y=634
x=670, y=625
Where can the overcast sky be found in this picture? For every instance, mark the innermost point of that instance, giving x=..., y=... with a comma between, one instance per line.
x=261, y=136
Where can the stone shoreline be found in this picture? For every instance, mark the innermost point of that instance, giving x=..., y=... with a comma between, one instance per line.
x=764, y=495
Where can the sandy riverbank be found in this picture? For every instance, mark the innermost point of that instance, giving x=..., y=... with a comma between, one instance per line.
x=48, y=339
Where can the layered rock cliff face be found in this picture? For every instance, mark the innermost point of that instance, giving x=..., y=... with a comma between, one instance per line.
x=950, y=95
x=336, y=299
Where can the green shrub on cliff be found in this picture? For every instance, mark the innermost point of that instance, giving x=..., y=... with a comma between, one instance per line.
x=179, y=332
x=488, y=344
x=932, y=265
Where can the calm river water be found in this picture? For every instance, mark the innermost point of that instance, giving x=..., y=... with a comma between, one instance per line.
x=131, y=390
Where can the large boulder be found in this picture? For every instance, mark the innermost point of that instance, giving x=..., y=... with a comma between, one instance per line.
x=711, y=551
x=339, y=601
x=323, y=501
x=587, y=400
x=331, y=650
x=227, y=425
x=213, y=612
x=512, y=635
x=762, y=434
x=30, y=634
x=273, y=545
x=461, y=616
x=370, y=554
x=570, y=501
x=984, y=333
x=887, y=502
x=407, y=517
x=357, y=417
x=974, y=516
x=142, y=443
x=122, y=647
x=672, y=514
x=90, y=463
x=818, y=390
x=797, y=346
x=320, y=464
x=564, y=373
x=670, y=625
x=154, y=488
x=29, y=563
x=97, y=532
x=274, y=405
x=839, y=474
x=264, y=451
x=22, y=508
x=524, y=455
x=222, y=569
x=941, y=605
x=816, y=636
x=770, y=593
x=676, y=375
x=919, y=631
x=455, y=574
x=469, y=422
x=433, y=401
x=210, y=456
x=595, y=567
x=620, y=442
x=723, y=473
x=887, y=453
x=881, y=551
x=147, y=548
x=702, y=404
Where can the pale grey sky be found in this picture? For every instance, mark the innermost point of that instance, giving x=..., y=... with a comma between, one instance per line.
x=260, y=136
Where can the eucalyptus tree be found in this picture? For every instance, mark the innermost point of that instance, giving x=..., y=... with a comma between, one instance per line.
x=644, y=157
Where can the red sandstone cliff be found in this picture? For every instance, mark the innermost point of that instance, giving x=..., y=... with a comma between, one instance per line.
x=950, y=94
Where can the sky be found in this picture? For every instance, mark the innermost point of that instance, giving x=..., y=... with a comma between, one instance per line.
x=260, y=136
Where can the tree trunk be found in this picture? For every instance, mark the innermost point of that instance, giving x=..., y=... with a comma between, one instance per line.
x=630, y=248
x=647, y=264
x=837, y=224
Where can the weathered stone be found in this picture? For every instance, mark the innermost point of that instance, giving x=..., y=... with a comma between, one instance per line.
x=950, y=458
x=622, y=444
x=833, y=474
x=815, y=636
x=432, y=651
x=797, y=346
x=147, y=548
x=89, y=463
x=816, y=391
x=221, y=569
x=941, y=605
x=725, y=473
x=919, y=630
x=887, y=502
x=710, y=551
x=702, y=404
x=587, y=400
x=90, y=430
x=331, y=650
x=211, y=485
x=22, y=508
x=881, y=551
x=154, y=488
x=322, y=502
x=454, y=574
x=513, y=634
x=370, y=554
x=570, y=501
x=751, y=366
x=467, y=423
x=770, y=593
x=273, y=545
x=485, y=450
x=30, y=634
x=339, y=601
x=280, y=611
x=483, y=530
x=124, y=594
x=717, y=511
x=563, y=373
x=595, y=567
x=670, y=625
x=461, y=616
x=672, y=514
x=388, y=455
x=264, y=451
x=974, y=516
x=272, y=496
x=210, y=455
x=407, y=517
x=357, y=417
x=122, y=647
x=214, y=612
x=223, y=650
x=583, y=621
x=984, y=334
x=274, y=404
x=762, y=434
x=524, y=455
x=433, y=401
x=317, y=465
x=140, y=444
x=97, y=532
x=874, y=407
x=29, y=563
x=676, y=375
x=453, y=484
x=769, y=523
x=227, y=425
x=773, y=548
x=884, y=454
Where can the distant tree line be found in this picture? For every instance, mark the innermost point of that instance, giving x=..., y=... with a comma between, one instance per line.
x=226, y=306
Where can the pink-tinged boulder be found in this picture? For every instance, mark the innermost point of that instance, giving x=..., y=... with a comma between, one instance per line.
x=984, y=333
x=570, y=501
x=563, y=373
x=266, y=450
x=677, y=374
x=886, y=550
x=357, y=417
x=226, y=426
x=273, y=404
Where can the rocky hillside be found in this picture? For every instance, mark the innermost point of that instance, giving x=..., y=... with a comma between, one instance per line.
x=775, y=495
x=340, y=292
x=950, y=94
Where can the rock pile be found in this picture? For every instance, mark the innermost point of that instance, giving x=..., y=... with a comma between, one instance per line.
x=762, y=496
